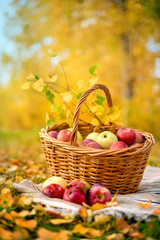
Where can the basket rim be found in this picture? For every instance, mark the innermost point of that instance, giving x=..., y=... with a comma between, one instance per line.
x=131, y=150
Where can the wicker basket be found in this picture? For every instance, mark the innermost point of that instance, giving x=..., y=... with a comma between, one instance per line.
x=120, y=170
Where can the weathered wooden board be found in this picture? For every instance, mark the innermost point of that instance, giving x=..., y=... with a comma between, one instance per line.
x=149, y=190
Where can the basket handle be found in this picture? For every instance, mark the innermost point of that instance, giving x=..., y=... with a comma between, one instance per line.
x=79, y=104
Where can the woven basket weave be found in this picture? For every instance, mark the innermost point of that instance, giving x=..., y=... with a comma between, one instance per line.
x=120, y=170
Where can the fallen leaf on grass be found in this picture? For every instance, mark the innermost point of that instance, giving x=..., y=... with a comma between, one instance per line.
x=1, y=170
x=24, y=201
x=137, y=235
x=45, y=234
x=83, y=231
x=101, y=219
x=144, y=204
x=8, y=216
x=7, y=235
x=6, y=198
x=115, y=236
x=20, y=234
x=29, y=224
x=60, y=221
x=121, y=224
x=157, y=211
x=19, y=179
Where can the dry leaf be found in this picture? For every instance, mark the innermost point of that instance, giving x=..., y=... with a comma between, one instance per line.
x=144, y=204
x=94, y=232
x=137, y=235
x=19, y=179
x=20, y=234
x=6, y=198
x=60, y=221
x=121, y=224
x=7, y=235
x=29, y=224
x=45, y=234
x=114, y=199
x=8, y=216
x=157, y=211
x=80, y=229
x=101, y=219
x=86, y=205
x=97, y=206
x=83, y=212
x=115, y=236
x=1, y=170
x=24, y=201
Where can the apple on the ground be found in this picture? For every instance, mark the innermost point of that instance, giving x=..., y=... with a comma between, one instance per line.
x=53, y=134
x=53, y=191
x=99, y=194
x=118, y=145
x=93, y=136
x=126, y=135
x=94, y=145
x=139, y=137
x=106, y=138
x=74, y=195
x=64, y=135
x=55, y=180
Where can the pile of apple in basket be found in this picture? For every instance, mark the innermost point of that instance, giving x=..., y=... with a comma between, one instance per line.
x=79, y=191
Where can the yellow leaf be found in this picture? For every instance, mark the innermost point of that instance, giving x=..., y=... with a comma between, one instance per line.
x=94, y=122
x=45, y=234
x=102, y=218
x=80, y=229
x=52, y=78
x=111, y=204
x=98, y=109
x=86, y=205
x=31, y=76
x=26, y=85
x=93, y=81
x=97, y=206
x=60, y=221
x=39, y=85
x=6, y=235
x=94, y=232
x=19, y=179
x=6, y=198
x=20, y=234
x=24, y=213
x=24, y=201
x=1, y=170
x=114, y=113
x=83, y=212
x=114, y=199
x=8, y=216
x=29, y=224
x=67, y=97
x=115, y=236
x=144, y=204
x=81, y=83
x=157, y=211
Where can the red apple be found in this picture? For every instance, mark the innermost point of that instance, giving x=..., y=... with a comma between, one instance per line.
x=126, y=135
x=53, y=191
x=118, y=145
x=99, y=194
x=139, y=137
x=135, y=144
x=74, y=195
x=86, y=141
x=53, y=134
x=64, y=135
x=94, y=145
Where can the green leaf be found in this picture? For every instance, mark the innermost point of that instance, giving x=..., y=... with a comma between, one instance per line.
x=49, y=95
x=36, y=77
x=93, y=70
x=100, y=100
